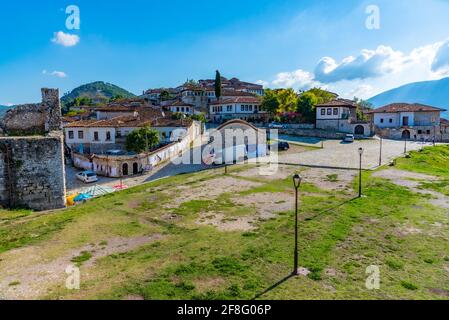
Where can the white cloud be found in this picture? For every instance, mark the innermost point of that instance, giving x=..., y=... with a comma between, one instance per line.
x=58, y=74
x=65, y=39
x=372, y=71
x=299, y=79
x=263, y=83
x=370, y=63
x=440, y=63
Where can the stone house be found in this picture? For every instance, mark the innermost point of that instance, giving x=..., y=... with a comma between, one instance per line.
x=408, y=121
x=99, y=136
x=244, y=108
x=340, y=115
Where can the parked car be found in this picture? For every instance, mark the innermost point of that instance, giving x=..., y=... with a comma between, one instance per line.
x=276, y=125
x=87, y=177
x=281, y=146
x=115, y=153
x=349, y=138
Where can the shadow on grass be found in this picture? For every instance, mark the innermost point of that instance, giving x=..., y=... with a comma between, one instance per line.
x=274, y=286
x=331, y=209
x=280, y=282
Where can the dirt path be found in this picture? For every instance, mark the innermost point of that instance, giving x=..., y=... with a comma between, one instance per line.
x=26, y=274
x=413, y=181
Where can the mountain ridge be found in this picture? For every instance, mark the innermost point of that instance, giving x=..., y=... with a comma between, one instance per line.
x=98, y=91
x=434, y=93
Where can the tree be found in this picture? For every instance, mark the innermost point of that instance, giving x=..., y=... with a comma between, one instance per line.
x=199, y=117
x=218, y=88
x=270, y=102
x=165, y=95
x=144, y=139
x=306, y=106
x=323, y=96
x=362, y=105
x=288, y=100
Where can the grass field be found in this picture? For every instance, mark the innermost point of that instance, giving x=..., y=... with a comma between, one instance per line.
x=202, y=236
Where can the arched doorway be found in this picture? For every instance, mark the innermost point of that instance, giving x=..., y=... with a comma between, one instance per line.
x=125, y=169
x=135, y=168
x=406, y=134
x=359, y=130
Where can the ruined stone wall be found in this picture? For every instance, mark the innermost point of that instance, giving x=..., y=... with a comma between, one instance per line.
x=34, y=119
x=32, y=173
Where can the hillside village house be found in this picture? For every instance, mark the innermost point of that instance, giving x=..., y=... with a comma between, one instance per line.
x=243, y=108
x=340, y=115
x=99, y=136
x=408, y=121
x=181, y=107
x=182, y=134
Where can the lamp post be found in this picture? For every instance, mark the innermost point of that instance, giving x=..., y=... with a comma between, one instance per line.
x=380, y=151
x=297, y=183
x=405, y=144
x=360, y=172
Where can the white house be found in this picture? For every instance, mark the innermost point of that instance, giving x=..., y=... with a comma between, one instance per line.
x=92, y=136
x=243, y=108
x=411, y=121
x=340, y=115
x=181, y=107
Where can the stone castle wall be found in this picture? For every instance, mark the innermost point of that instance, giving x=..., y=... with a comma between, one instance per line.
x=32, y=172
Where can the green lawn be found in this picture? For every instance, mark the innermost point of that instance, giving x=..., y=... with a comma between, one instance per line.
x=340, y=236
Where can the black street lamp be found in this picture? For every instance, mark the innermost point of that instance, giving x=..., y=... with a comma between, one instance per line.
x=297, y=183
x=405, y=144
x=380, y=151
x=360, y=172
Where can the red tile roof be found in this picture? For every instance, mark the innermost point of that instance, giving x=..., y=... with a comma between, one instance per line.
x=179, y=104
x=339, y=103
x=131, y=122
x=253, y=100
x=444, y=122
x=406, y=107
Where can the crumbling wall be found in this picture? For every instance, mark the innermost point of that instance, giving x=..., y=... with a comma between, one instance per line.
x=32, y=173
x=34, y=119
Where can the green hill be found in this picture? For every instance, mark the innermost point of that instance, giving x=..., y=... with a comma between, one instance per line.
x=98, y=92
x=4, y=109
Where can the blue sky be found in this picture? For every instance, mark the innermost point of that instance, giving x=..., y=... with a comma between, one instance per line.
x=140, y=44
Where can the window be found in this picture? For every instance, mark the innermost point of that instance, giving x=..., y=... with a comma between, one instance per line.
x=96, y=138
x=428, y=131
x=229, y=108
x=71, y=135
x=177, y=109
x=242, y=108
x=108, y=136
x=391, y=120
x=323, y=111
x=335, y=111
x=381, y=120
x=329, y=111
x=81, y=135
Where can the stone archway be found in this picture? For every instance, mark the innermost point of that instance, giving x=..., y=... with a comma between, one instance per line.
x=135, y=168
x=359, y=130
x=125, y=169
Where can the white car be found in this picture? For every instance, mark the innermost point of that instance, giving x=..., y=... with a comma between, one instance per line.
x=87, y=177
x=275, y=125
x=349, y=138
